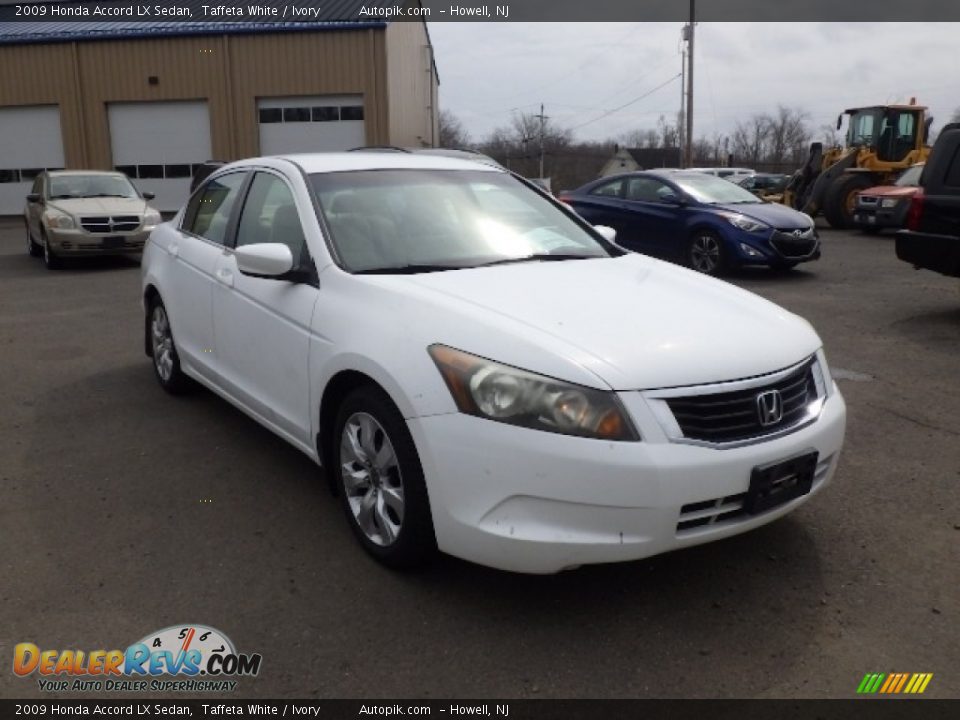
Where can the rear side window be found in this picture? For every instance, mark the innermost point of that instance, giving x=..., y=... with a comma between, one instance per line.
x=209, y=210
x=611, y=189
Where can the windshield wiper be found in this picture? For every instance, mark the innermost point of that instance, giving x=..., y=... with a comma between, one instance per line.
x=409, y=269
x=536, y=257
x=63, y=197
x=97, y=195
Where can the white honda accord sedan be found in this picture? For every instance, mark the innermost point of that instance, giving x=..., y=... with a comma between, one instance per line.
x=479, y=370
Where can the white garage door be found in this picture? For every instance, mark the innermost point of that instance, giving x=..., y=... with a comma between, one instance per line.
x=158, y=144
x=310, y=124
x=30, y=141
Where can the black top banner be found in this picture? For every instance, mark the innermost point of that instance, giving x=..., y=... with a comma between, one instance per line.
x=864, y=709
x=494, y=709
x=328, y=11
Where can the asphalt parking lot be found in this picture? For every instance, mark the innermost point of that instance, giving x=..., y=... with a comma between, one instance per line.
x=125, y=511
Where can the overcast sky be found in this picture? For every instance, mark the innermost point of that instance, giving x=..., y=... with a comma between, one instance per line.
x=580, y=71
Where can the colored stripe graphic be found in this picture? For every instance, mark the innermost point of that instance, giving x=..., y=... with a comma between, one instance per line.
x=894, y=683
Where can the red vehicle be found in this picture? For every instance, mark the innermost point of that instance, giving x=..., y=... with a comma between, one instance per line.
x=885, y=206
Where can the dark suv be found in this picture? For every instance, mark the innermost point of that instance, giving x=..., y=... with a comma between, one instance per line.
x=932, y=237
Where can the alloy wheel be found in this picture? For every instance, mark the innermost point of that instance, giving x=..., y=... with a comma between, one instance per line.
x=705, y=254
x=162, y=343
x=372, y=482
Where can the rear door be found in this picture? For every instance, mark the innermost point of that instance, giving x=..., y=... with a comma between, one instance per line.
x=195, y=250
x=604, y=205
x=262, y=325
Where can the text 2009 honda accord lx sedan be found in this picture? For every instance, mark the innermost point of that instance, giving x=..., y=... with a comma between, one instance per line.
x=479, y=370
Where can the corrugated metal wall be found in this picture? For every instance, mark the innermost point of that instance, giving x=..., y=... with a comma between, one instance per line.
x=411, y=85
x=231, y=72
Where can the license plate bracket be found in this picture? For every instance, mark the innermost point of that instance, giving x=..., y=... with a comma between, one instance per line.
x=780, y=482
x=111, y=243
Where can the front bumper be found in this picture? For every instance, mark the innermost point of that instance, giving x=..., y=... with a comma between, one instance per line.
x=536, y=502
x=875, y=216
x=78, y=242
x=774, y=247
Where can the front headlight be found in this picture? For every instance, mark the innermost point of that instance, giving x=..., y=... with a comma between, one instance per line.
x=59, y=220
x=889, y=202
x=498, y=392
x=152, y=217
x=745, y=223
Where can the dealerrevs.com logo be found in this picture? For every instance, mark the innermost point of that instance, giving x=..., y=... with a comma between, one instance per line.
x=180, y=658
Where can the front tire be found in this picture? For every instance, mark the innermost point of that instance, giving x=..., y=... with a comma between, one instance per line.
x=841, y=199
x=382, y=488
x=163, y=350
x=705, y=253
x=51, y=260
x=33, y=249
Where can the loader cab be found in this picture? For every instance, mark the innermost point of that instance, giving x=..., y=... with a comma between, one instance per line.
x=892, y=132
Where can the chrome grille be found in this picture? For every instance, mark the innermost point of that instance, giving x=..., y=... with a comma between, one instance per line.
x=110, y=224
x=723, y=511
x=790, y=245
x=733, y=416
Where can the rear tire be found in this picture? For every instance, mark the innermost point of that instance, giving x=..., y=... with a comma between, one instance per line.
x=841, y=199
x=380, y=480
x=163, y=350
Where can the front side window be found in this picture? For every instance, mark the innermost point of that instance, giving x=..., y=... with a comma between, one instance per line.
x=209, y=210
x=270, y=216
x=647, y=189
x=426, y=220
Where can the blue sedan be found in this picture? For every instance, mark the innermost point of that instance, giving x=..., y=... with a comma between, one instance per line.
x=696, y=219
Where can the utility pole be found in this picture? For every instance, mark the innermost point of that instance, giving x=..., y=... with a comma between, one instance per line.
x=688, y=149
x=683, y=95
x=543, y=118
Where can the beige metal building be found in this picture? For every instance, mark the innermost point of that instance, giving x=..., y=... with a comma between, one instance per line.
x=155, y=100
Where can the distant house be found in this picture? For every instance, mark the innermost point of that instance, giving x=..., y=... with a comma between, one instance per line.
x=630, y=159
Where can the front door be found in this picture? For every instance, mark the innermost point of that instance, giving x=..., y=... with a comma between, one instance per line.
x=262, y=325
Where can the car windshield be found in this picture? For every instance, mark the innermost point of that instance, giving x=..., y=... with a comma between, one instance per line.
x=713, y=190
x=86, y=186
x=910, y=177
x=395, y=221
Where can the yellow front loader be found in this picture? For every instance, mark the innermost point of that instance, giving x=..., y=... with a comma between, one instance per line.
x=881, y=141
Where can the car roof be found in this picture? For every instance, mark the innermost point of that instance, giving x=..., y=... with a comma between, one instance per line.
x=368, y=160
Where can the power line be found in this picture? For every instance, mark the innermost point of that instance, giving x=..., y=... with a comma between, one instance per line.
x=626, y=104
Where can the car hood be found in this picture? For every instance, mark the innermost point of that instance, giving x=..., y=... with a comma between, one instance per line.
x=773, y=214
x=633, y=322
x=100, y=206
x=891, y=191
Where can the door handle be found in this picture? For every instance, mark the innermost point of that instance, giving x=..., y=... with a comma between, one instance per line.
x=225, y=276
x=174, y=250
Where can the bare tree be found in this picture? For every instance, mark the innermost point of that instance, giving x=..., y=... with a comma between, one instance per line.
x=452, y=132
x=787, y=136
x=750, y=139
x=829, y=136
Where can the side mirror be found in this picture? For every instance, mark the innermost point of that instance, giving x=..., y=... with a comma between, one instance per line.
x=264, y=260
x=672, y=199
x=606, y=232
x=148, y=195
x=33, y=198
